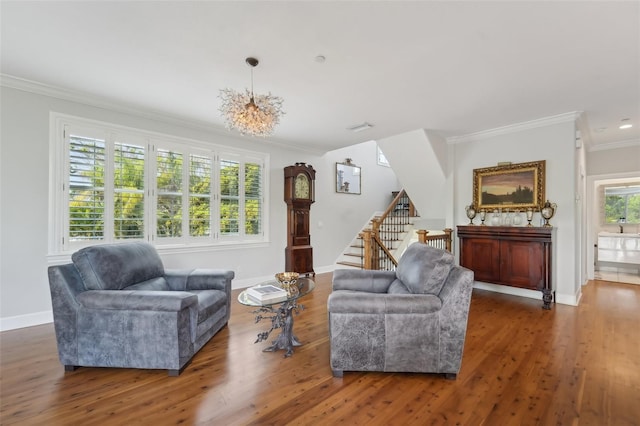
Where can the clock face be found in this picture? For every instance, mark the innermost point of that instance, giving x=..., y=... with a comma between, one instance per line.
x=301, y=189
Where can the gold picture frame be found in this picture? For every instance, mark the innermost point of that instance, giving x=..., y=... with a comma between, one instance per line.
x=511, y=186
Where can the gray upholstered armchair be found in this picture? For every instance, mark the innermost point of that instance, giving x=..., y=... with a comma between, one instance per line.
x=116, y=306
x=413, y=319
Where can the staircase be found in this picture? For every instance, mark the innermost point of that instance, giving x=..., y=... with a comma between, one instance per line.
x=353, y=255
x=394, y=227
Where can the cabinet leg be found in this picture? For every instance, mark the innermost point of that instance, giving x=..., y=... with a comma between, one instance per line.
x=547, y=297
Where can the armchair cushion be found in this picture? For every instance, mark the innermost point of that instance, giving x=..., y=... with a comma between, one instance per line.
x=209, y=302
x=159, y=283
x=397, y=287
x=116, y=266
x=424, y=269
x=139, y=300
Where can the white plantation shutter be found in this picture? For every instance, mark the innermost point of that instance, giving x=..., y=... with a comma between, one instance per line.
x=128, y=193
x=229, y=197
x=169, y=192
x=253, y=199
x=200, y=178
x=86, y=191
x=110, y=183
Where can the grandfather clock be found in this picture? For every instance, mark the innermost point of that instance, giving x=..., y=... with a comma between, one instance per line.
x=299, y=193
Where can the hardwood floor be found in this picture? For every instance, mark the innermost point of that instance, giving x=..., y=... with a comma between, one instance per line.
x=522, y=366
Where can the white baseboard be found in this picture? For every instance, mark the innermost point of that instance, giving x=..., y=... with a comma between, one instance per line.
x=28, y=320
x=564, y=299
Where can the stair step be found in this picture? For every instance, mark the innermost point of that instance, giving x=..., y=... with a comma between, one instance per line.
x=354, y=255
x=355, y=265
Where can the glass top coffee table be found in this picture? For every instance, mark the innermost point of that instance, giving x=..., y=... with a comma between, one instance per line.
x=281, y=315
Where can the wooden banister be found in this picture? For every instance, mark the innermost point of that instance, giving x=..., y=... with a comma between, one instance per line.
x=387, y=228
x=442, y=241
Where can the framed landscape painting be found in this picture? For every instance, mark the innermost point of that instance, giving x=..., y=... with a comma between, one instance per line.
x=510, y=186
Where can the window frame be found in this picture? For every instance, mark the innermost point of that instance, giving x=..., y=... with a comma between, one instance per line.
x=625, y=194
x=59, y=242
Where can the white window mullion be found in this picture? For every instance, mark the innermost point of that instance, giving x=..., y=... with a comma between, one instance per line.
x=186, y=167
x=241, y=201
x=150, y=192
x=63, y=186
x=215, y=194
x=108, y=189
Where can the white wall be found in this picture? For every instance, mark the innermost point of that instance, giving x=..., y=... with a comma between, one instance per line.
x=24, y=180
x=552, y=140
x=336, y=231
x=614, y=160
x=420, y=160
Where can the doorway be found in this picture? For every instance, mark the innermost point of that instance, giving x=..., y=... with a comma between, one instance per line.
x=616, y=244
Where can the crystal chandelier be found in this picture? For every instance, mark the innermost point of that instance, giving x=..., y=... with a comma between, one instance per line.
x=250, y=114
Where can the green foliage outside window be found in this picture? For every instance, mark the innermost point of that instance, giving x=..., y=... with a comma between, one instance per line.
x=253, y=199
x=86, y=188
x=199, y=196
x=622, y=204
x=129, y=191
x=87, y=180
x=169, y=183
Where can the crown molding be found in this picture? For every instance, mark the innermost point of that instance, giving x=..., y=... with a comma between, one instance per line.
x=514, y=128
x=100, y=102
x=629, y=143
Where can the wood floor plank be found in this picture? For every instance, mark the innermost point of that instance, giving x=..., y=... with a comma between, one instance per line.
x=522, y=365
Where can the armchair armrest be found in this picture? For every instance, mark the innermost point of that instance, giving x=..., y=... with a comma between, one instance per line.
x=352, y=302
x=363, y=280
x=199, y=279
x=137, y=300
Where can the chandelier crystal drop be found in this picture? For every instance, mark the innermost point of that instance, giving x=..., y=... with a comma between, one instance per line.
x=248, y=113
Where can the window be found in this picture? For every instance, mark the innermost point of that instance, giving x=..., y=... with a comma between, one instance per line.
x=382, y=160
x=169, y=212
x=112, y=184
x=241, y=197
x=128, y=191
x=622, y=204
x=85, y=177
x=229, y=197
x=200, y=196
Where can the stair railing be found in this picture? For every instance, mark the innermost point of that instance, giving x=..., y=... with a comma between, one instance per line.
x=375, y=255
x=441, y=241
x=392, y=222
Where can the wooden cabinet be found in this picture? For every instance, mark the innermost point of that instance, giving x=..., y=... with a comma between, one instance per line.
x=513, y=256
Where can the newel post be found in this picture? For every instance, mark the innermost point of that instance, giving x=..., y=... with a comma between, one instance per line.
x=448, y=241
x=375, y=225
x=422, y=235
x=367, y=244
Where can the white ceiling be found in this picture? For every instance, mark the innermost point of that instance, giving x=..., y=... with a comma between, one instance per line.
x=453, y=67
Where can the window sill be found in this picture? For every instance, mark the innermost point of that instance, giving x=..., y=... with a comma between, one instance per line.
x=65, y=257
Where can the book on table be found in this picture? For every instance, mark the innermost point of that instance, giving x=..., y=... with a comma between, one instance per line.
x=267, y=293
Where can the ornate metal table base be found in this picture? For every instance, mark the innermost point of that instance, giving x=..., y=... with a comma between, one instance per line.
x=281, y=317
